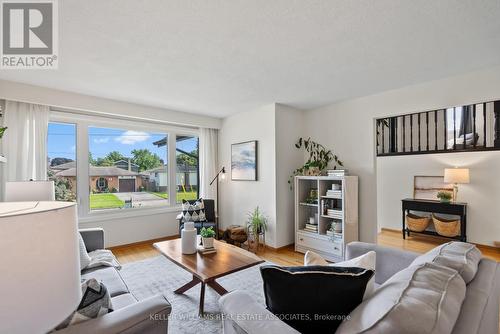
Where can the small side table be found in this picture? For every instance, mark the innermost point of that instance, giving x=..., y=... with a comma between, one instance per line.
x=453, y=208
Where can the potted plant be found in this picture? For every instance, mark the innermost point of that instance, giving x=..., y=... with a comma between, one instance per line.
x=207, y=237
x=257, y=224
x=319, y=158
x=444, y=196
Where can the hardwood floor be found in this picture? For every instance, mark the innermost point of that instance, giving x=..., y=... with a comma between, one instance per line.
x=288, y=257
x=423, y=243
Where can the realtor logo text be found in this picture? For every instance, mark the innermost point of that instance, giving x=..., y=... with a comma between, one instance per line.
x=29, y=34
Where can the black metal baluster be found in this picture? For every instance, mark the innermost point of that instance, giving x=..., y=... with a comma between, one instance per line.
x=383, y=135
x=411, y=132
x=465, y=116
x=445, y=130
x=395, y=120
x=484, y=123
x=474, y=125
x=435, y=130
x=427, y=126
x=419, y=136
x=404, y=133
x=454, y=129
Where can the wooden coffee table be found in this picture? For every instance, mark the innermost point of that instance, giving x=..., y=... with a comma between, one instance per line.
x=207, y=268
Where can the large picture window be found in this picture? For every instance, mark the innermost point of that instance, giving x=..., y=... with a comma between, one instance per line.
x=127, y=169
x=115, y=167
x=187, y=176
x=61, y=149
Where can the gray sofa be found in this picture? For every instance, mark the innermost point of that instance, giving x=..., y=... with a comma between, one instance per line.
x=479, y=312
x=148, y=316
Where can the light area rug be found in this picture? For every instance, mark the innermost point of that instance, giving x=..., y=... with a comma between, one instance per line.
x=158, y=275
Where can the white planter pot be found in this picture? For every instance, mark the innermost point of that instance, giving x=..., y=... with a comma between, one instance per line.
x=208, y=242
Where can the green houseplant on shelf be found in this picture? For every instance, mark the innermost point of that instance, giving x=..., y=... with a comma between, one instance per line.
x=256, y=225
x=319, y=159
x=207, y=237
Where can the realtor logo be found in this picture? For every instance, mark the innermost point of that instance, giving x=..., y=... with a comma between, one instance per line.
x=29, y=34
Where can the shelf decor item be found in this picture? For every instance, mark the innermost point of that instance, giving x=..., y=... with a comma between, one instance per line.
x=456, y=176
x=417, y=223
x=313, y=196
x=319, y=158
x=444, y=196
x=244, y=161
x=446, y=227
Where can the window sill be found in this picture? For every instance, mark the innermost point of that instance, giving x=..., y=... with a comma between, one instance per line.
x=126, y=213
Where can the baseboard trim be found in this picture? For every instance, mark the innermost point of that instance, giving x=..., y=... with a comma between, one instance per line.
x=435, y=237
x=144, y=242
x=279, y=248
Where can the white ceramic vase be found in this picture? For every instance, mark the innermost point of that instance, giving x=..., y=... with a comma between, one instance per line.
x=188, y=238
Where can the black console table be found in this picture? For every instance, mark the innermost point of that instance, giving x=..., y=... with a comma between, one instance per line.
x=454, y=208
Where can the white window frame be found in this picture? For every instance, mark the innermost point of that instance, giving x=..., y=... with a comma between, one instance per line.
x=83, y=122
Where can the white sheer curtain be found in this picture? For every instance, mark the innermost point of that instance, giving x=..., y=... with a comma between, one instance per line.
x=208, y=161
x=24, y=144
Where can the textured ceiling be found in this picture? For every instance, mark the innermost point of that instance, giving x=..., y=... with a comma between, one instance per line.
x=222, y=57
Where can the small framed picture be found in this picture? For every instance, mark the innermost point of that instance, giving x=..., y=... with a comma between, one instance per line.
x=244, y=161
x=427, y=187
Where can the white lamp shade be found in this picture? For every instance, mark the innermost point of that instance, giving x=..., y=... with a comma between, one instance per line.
x=40, y=279
x=18, y=191
x=456, y=175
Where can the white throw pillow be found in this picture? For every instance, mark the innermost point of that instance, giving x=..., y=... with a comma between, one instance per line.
x=365, y=261
x=84, y=256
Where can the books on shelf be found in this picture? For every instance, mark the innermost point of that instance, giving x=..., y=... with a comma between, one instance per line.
x=311, y=228
x=334, y=213
x=334, y=193
x=204, y=251
x=337, y=172
x=335, y=235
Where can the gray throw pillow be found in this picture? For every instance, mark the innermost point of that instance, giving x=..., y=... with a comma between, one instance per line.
x=84, y=256
x=461, y=256
x=421, y=299
x=95, y=303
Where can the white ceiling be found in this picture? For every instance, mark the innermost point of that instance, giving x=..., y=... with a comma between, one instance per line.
x=222, y=57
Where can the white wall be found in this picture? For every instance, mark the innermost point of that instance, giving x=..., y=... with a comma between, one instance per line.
x=289, y=127
x=276, y=127
x=395, y=181
x=348, y=129
x=237, y=198
x=127, y=230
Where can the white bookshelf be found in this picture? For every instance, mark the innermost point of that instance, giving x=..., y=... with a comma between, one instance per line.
x=345, y=206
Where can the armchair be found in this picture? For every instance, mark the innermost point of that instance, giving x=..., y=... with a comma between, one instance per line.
x=211, y=220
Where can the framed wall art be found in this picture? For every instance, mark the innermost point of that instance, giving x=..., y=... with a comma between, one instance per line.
x=244, y=161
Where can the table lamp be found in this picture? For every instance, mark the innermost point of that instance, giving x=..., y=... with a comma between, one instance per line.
x=40, y=280
x=456, y=176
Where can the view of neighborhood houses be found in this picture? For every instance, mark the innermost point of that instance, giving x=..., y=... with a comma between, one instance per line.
x=126, y=168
